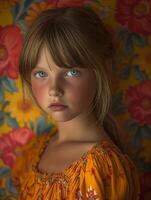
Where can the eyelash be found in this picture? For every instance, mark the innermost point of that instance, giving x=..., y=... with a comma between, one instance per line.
x=66, y=74
x=38, y=73
x=74, y=71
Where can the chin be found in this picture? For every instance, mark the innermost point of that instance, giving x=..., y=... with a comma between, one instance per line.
x=63, y=118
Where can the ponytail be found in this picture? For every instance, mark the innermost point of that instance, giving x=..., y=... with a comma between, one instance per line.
x=112, y=129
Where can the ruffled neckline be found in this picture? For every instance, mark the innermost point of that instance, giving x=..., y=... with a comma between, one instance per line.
x=74, y=164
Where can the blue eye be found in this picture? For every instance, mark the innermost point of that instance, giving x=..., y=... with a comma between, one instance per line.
x=73, y=72
x=40, y=74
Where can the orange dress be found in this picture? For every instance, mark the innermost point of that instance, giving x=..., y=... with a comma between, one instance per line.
x=102, y=173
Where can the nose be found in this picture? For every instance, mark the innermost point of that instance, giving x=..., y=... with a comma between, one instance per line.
x=55, y=89
x=55, y=93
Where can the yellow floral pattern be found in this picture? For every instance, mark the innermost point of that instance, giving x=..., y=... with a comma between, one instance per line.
x=21, y=108
x=130, y=25
x=35, y=10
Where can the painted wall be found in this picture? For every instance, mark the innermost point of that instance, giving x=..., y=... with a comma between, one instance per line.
x=130, y=23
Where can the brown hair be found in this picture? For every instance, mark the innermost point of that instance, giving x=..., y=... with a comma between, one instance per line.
x=74, y=36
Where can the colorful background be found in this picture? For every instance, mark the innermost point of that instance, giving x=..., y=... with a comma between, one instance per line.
x=130, y=24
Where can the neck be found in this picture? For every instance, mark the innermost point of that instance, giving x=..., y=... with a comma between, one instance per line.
x=80, y=130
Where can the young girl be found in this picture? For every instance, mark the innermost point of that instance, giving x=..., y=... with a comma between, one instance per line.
x=65, y=61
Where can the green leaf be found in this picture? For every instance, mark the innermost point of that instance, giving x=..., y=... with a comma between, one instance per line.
x=4, y=171
x=11, y=122
x=1, y=94
x=117, y=104
x=139, y=40
x=42, y=126
x=9, y=84
x=139, y=73
x=125, y=72
x=1, y=118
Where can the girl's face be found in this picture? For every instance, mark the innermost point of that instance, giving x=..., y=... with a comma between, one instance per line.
x=74, y=88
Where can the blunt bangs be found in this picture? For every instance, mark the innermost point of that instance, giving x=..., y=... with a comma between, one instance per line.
x=72, y=42
x=65, y=48
x=75, y=37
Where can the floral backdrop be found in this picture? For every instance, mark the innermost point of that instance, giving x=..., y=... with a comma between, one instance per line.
x=130, y=24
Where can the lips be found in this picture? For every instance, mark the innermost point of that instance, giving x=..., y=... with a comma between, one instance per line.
x=57, y=107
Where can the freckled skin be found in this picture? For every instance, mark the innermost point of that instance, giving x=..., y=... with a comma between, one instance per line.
x=77, y=91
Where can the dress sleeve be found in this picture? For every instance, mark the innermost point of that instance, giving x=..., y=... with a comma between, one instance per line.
x=109, y=175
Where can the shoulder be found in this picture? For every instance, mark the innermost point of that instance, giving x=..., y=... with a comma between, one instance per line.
x=109, y=170
x=109, y=159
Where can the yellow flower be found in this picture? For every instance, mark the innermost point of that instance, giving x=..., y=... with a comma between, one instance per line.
x=5, y=14
x=144, y=57
x=21, y=108
x=145, y=153
x=4, y=128
x=35, y=10
x=8, y=3
x=1, y=164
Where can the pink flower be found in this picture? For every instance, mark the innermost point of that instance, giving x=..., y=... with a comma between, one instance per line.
x=138, y=99
x=10, y=47
x=146, y=187
x=136, y=14
x=64, y=3
x=11, y=140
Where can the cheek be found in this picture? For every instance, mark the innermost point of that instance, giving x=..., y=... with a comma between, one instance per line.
x=75, y=94
x=37, y=91
x=82, y=93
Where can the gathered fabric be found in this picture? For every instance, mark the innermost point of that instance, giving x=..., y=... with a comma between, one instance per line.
x=102, y=173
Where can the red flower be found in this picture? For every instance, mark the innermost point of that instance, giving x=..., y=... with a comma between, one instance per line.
x=138, y=99
x=1, y=182
x=64, y=3
x=10, y=47
x=136, y=14
x=11, y=140
x=146, y=187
